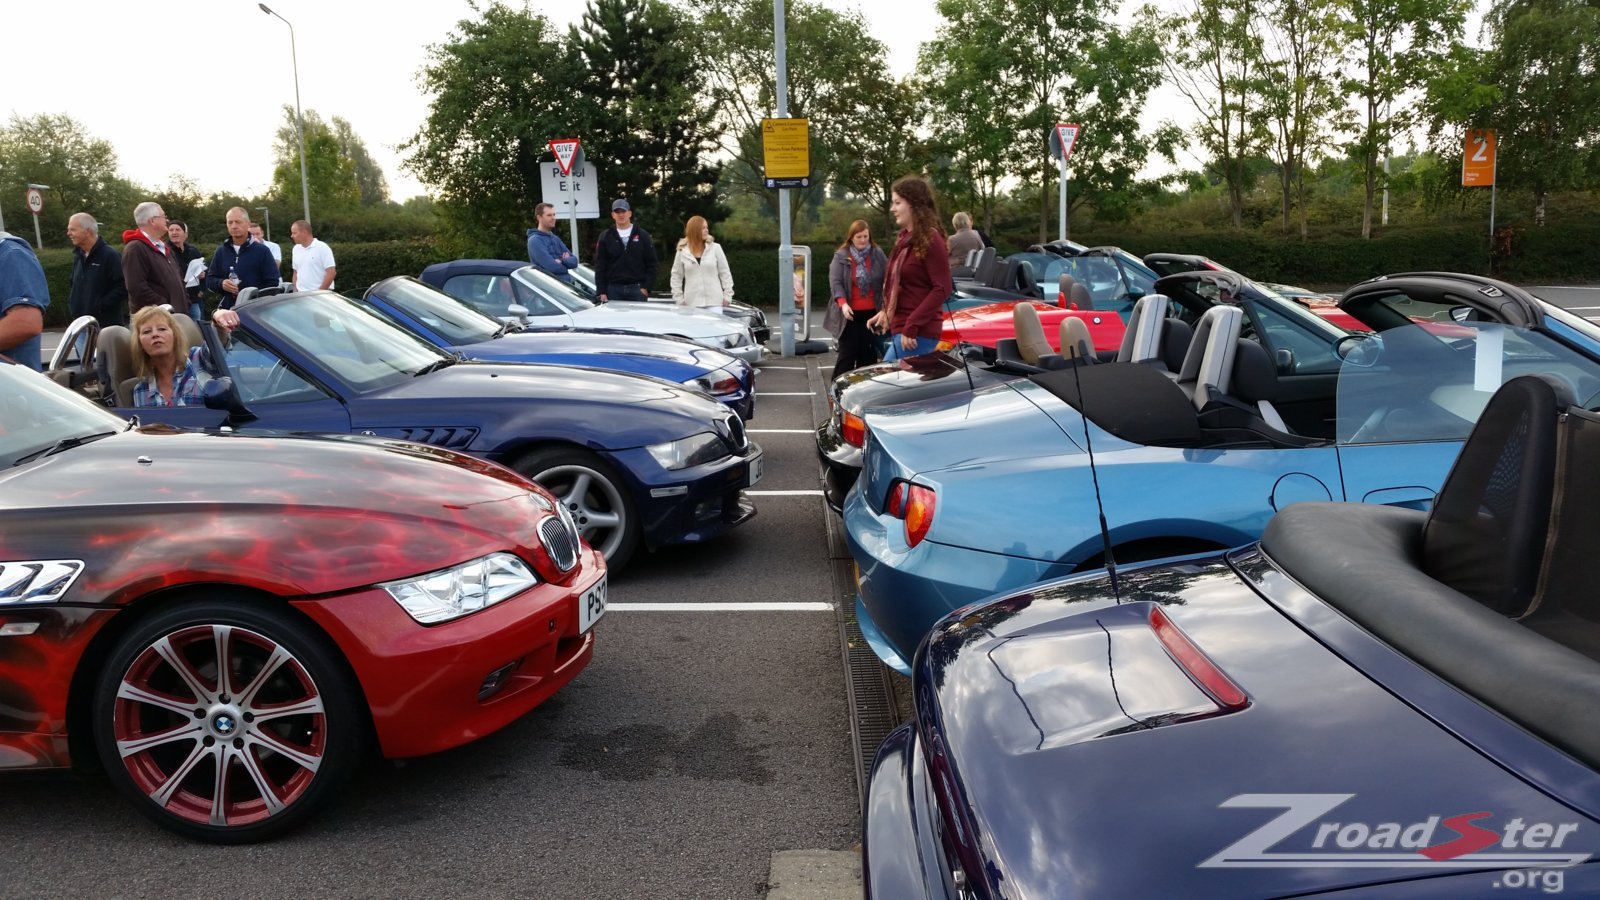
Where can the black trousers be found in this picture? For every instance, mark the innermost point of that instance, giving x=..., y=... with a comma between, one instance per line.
x=857, y=346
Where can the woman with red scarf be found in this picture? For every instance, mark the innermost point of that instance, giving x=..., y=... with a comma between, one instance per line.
x=919, y=273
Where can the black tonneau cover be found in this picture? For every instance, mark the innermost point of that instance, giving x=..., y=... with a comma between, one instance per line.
x=1132, y=401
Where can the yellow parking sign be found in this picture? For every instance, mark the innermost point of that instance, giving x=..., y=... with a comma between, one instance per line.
x=786, y=152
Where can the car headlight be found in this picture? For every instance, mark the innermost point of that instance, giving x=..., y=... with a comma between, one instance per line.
x=457, y=591
x=694, y=450
x=737, y=339
x=717, y=383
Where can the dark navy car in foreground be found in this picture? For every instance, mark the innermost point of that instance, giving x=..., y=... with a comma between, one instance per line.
x=447, y=322
x=635, y=459
x=1373, y=701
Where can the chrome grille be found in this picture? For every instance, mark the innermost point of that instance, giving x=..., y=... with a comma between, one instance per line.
x=732, y=430
x=560, y=541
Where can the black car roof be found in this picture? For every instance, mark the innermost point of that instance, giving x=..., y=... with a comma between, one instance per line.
x=441, y=271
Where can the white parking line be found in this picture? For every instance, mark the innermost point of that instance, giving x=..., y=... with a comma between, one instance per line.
x=784, y=394
x=798, y=606
x=783, y=368
x=784, y=493
x=780, y=431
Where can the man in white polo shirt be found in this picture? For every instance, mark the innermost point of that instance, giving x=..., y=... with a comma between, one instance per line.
x=312, y=260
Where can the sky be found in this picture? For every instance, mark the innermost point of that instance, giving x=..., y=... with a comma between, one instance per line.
x=172, y=98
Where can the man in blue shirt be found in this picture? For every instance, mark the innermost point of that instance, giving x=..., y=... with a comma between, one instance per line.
x=23, y=298
x=546, y=251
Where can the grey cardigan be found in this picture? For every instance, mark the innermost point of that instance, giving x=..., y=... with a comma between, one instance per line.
x=839, y=275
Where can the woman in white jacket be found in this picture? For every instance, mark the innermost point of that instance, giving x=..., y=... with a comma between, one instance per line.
x=700, y=273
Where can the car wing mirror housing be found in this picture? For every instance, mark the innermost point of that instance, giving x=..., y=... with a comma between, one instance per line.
x=518, y=312
x=223, y=394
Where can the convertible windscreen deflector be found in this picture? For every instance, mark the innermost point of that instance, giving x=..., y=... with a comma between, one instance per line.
x=1132, y=401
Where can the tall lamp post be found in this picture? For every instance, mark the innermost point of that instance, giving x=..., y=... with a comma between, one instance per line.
x=267, y=228
x=299, y=125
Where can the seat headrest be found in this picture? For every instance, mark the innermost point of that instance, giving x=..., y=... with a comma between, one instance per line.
x=1255, y=378
x=1176, y=336
x=1002, y=275
x=1031, y=343
x=1026, y=283
x=1076, y=342
x=1208, y=366
x=1141, y=342
x=115, y=346
x=1486, y=534
x=984, y=270
x=1566, y=575
x=1064, y=285
x=1079, y=294
x=191, y=331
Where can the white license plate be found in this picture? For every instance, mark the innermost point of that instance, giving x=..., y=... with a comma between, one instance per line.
x=592, y=605
x=755, y=470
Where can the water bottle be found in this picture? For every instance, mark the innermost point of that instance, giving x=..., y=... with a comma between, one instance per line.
x=233, y=274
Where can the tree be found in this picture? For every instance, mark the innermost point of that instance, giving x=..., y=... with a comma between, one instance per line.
x=649, y=129
x=330, y=170
x=1545, y=60
x=1302, y=98
x=81, y=170
x=369, y=175
x=503, y=84
x=1395, y=45
x=1214, y=58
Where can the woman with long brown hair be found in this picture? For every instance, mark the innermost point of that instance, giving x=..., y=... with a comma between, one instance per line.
x=918, y=281
x=700, y=273
x=856, y=276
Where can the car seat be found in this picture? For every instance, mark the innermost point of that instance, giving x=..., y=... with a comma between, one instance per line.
x=1064, y=290
x=1080, y=296
x=1564, y=608
x=1029, y=346
x=984, y=270
x=1208, y=364
x=1026, y=284
x=116, y=350
x=1076, y=342
x=1141, y=340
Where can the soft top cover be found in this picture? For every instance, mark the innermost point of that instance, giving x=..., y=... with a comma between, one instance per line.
x=1134, y=402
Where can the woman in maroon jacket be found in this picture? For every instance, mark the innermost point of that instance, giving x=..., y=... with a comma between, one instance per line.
x=919, y=273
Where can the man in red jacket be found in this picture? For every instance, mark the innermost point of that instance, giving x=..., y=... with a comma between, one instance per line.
x=147, y=267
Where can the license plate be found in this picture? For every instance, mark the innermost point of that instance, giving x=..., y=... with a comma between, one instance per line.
x=592, y=605
x=755, y=470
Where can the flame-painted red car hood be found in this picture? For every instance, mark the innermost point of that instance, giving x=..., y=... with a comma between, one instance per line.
x=295, y=516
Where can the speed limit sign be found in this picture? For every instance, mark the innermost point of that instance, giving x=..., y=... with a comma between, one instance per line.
x=35, y=200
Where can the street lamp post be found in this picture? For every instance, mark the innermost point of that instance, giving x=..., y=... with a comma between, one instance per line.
x=267, y=228
x=299, y=124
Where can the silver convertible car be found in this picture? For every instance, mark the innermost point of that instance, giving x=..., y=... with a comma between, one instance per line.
x=515, y=291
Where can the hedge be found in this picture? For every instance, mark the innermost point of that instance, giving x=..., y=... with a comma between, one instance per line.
x=1564, y=253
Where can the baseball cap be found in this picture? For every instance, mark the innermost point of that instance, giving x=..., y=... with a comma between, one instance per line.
x=620, y=203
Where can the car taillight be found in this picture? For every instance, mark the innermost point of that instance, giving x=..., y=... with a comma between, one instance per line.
x=1196, y=664
x=853, y=429
x=913, y=503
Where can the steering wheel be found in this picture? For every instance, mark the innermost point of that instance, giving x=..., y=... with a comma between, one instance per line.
x=275, y=378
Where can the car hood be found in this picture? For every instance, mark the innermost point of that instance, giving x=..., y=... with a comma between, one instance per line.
x=917, y=378
x=657, y=319
x=285, y=514
x=512, y=347
x=1083, y=761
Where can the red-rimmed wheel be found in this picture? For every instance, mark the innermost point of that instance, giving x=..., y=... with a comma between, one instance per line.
x=227, y=722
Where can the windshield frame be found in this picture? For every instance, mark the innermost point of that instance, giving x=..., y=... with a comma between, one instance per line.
x=462, y=325
x=268, y=318
x=563, y=295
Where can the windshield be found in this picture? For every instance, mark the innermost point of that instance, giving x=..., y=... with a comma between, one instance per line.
x=561, y=295
x=447, y=317
x=362, y=350
x=35, y=413
x=1429, y=381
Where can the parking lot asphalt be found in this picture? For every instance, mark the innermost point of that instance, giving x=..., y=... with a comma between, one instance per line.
x=695, y=746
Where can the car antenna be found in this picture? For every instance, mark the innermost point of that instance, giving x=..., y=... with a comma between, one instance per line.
x=966, y=364
x=1094, y=475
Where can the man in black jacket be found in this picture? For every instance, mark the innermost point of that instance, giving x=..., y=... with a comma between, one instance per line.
x=97, y=286
x=240, y=262
x=624, y=258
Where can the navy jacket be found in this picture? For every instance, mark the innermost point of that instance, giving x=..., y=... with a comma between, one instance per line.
x=253, y=263
x=616, y=264
x=97, y=286
x=549, y=254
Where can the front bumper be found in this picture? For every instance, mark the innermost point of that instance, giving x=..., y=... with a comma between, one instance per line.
x=841, y=463
x=750, y=353
x=422, y=682
x=692, y=505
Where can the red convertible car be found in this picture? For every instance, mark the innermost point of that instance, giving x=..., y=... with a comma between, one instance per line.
x=230, y=624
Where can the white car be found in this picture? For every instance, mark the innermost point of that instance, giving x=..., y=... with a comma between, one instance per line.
x=751, y=316
x=517, y=292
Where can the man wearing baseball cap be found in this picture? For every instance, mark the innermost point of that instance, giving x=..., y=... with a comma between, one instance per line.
x=624, y=258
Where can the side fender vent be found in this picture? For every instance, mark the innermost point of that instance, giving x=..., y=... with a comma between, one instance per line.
x=450, y=438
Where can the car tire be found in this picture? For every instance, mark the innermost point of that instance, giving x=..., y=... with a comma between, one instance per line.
x=598, y=499
x=281, y=735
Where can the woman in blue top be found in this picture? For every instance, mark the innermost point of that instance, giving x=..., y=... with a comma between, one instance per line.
x=158, y=345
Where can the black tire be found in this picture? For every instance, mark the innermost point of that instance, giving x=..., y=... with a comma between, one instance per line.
x=604, y=498
x=309, y=735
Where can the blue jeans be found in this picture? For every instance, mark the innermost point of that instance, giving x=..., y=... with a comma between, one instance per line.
x=626, y=293
x=197, y=311
x=895, y=351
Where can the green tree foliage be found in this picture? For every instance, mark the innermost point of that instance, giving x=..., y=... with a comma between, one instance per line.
x=649, y=126
x=1302, y=98
x=1395, y=45
x=862, y=124
x=1545, y=60
x=81, y=170
x=503, y=85
x=973, y=104
x=330, y=169
x=369, y=175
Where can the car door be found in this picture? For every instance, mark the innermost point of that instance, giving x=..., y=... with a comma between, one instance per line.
x=270, y=387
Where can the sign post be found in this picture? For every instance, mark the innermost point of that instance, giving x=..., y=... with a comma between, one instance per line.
x=1061, y=139
x=35, y=205
x=786, y=163
x=571, y=185
x=1479, y=164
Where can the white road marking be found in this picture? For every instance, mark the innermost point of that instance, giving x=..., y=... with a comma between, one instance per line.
x=784, y=493
x=780, y=431
x=798, y=606
x=783, y=368
x=760, y=393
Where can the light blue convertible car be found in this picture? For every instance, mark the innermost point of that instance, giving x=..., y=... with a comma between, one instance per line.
x=965, y=496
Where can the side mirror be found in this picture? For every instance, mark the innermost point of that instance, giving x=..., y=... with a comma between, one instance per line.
x=1359, y=350
x=1135, y=294
x=222, y=394
x=1285, y=361
x=519, y=312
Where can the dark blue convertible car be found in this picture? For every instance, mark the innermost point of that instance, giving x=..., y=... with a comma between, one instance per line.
x=1371, y=702
x=635, y=459
x=447, y=322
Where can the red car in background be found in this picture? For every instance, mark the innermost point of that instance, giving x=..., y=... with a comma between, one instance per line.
x=230, y=624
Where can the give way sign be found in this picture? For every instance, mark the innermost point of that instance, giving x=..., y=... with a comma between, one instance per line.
x=566, y=150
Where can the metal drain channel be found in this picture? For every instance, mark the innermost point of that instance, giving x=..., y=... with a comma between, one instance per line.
x=869, y=688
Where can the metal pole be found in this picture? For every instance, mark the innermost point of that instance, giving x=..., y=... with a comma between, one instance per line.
x=299, y=123
x=1063, y=198
x=38, y=239
x=572, y=220
x=1385, y=219
x=266, y=229
x=788, y=318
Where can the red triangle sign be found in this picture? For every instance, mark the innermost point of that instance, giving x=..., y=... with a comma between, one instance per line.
x=565, y=149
